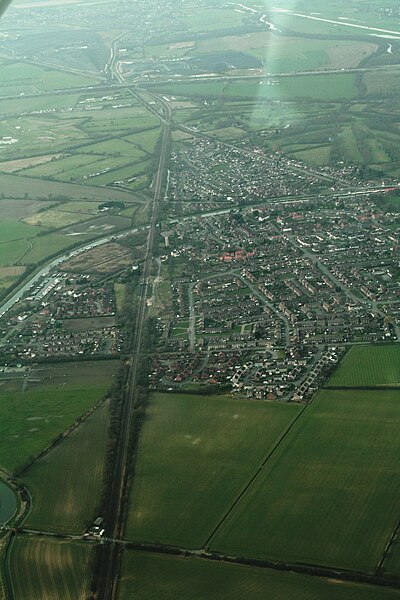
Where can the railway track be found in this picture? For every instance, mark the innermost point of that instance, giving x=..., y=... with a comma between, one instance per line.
x=110, y=561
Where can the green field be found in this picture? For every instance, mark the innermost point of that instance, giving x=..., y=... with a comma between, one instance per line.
x=21, y=105
x=20, y=187
x=66, y=484
x=32, y=419
x=11, y=230
x=316, y=87
x=55, y=218
x=329, y=496
x=365, y=366
x=147, y=576
x=43, y=569
x=12, y=252
x=47, y=245
x=196, y=454
x=392, y=562
x=23, y=78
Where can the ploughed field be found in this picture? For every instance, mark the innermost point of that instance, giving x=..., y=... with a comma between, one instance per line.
x=50, y=569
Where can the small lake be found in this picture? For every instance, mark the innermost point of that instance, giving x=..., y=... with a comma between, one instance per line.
x=8, y=503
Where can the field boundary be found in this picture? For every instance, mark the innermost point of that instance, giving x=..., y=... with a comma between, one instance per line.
x=79, y=421
x=255, y=476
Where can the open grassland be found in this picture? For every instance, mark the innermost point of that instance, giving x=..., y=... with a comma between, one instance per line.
x=23, y=78
x=196, y=453
x=329, y=496
x=46, y=245
x=118, y=121
x=55, y=397
x=368, y=366
x=147, y=576
x=18, y=187
x=208, y=19
x=55, y=218
x=43, y=569
x=66, y=484
x=317, y=87
x=279, y=54
x=12, y=252
x=12, y=229
x=17, y=106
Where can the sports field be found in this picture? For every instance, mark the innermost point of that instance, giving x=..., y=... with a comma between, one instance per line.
x=59, y=394
x=196, y=454
x=66, y=484
x=147, y=576
x=329, y=495
x=44, y=569
x=368, y=366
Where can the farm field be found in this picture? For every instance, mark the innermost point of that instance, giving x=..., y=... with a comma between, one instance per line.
x=49, y=570
x=66, y=484
x=329, y=495
x=317, y=87
x=278, y=53
x=55, y=218
x=147, y=576
x=12, y=252
x=46, y=245
x=392, y=562
x=17, y=106
x=376, y=366
x=186, y=434
x=55, y=397
x=18, y=186
x=25, y=78
x=15, y=230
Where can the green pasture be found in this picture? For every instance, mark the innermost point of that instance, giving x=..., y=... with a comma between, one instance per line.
x=66, y=484
x=17, y=106
x=210, y=19
x=46, y=245
x=62, y=165
x=11, y=230
x=221, y=441
x=115, y=147
x=32, y=419
x=368, y=365
x=317, y=87
x=55, y=218
x=329, y=495
x=118, y=121
x=12, y=252
x=147, y=576
x=21, y=78
x=123, y=174
x=19, y=187
x=146, y=140
x=48, y=569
